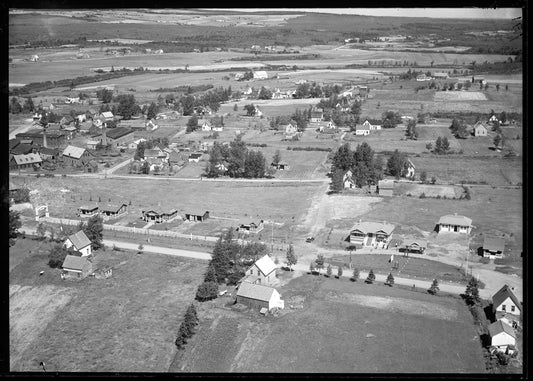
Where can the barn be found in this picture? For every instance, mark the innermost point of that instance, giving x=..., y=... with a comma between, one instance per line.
x=386, y=188
x=76, y=267
x=257, y=296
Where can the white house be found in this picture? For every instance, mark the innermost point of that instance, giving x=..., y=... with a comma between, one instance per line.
x=317, y=116
x=506, y=306
x=374, y=234
x=348, y=181
x=502, y=335
x=480, y=129
x=205, y=124
x=263, y=271
x=134, y=144
x=455, y=224
x=258, y=296
x=362, y=129
x=493, y=119
x=410, y=169
x=291, y=128
x=258, y=112
x=80, y=242
x=261, y=74
x=370, y=126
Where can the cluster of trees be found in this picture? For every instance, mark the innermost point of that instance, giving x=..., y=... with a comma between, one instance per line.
x=16, y=108
x=250, y=109
x=21, y=195
x=264, y=93
x=187, y=327
x=411, y=131
x=248, y=74
x=211, y=99
x=228, y=264
x=391, y=119
x=314, y=90
x=458, y=129
x=397, y=164
x=301, y=117
x=241, y=162
x=442, y=145
x=366, y=168
x=105, y=95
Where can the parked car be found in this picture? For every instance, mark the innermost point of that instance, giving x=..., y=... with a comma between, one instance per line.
x=309, y=239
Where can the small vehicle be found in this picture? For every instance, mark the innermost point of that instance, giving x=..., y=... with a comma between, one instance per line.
x=222, y=292
x=309, y=239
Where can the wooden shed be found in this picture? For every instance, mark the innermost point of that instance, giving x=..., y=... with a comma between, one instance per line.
x=257, y=296
x=76, y=267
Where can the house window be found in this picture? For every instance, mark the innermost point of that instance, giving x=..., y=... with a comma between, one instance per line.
x=503, y=307
x=252, y=272
x=512, y=308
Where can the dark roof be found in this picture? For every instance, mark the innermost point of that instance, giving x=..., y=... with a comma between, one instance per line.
x=195, y=155
x=112, y=208
x=48, y=151
x=493, y=244
x=504, y=293
x=79, y=240
x=198, y=212
x=499, y=326
x=88, y=207
x=118, y=132
x=74, y=263
x=21, y=149
x=13, y=143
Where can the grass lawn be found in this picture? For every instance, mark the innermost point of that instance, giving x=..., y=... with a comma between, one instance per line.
x=132, y=317
x=279, y=202
x=24, y=248
x=342, y=327
x=412, y=266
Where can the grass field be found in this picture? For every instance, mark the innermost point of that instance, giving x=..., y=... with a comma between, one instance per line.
x=264, y=200
x=357, y=328
x=132, y=317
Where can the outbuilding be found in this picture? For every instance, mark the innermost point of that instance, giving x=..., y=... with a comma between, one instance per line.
x=258, y=296
x=455, y=224
x=386, y=188
x=76, y=267
x=197, y=215
x=493, y=247
x=263, y=271
x=502, y=335
x=88, y=211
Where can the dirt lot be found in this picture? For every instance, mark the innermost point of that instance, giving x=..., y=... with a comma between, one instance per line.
x=360, y=328
x=133, y=316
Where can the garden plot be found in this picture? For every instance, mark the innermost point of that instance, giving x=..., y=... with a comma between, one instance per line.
x=447, y=96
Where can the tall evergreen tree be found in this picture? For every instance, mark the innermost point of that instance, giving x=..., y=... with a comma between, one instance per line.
x=291, y=257
x=472, y=292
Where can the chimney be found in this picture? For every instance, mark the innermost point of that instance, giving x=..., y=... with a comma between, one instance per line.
x=44, y=138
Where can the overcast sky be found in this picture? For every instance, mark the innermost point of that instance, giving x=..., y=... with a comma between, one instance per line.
x=491, y=13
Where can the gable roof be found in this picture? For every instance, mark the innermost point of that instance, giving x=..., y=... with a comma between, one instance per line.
x=27, y=159
x=88, y=207
x=416, y=241
x=74, y=263
x=255, y=291
x=265, y=264
x=499, y=326
x=73, y=151
x=13, y=143
x=455, y=220
x=373, y=227
x=112, y=207
x=197, y=212
x=118, y=132
x=79, y=240
x=493, y=243
x=504, y=293
x=107, y=114
x=21, y=149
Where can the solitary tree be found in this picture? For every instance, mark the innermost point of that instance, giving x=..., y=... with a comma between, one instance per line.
x=423, y=177
x=355, y=274
x=211, y=275
x=329, y=270
x=41, y=231
x=497, y=140
x=371, y=277
x=472, y=292
x=429, y=146
x=192, y=124
x=390, y=280
x=319, y=262
x=433, y=179
x=339, y=272
x=94, y=231
x=434, y=287
x=291, y=257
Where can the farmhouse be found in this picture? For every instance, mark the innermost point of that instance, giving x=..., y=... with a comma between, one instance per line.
x=113, y=211
x=88, y=211
x=347, y=180
x=362, y=129
x=248, y=226
x=454, y=223
x=76, y=156
x=263, y=271
x=282, y=166
x=197, y=215
x=374, y=234
x=195, y=157
x=260, y=74
x=506, y=306
x=76, y=267
x=204, y=124
x=440, y=75
x=493, y=119
x=386, y=187
x=501, y=335
x=317, y=116
x=410, y=169
x=493, y=247
x=79, y=242
x=258, y=296
x=329, y=127
x=291, y=128
x=479, y=129
x=30, y=160
x=370, y=126
x=159, y=216
x=415, y=245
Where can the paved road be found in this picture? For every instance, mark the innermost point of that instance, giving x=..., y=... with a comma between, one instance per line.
x=159, y=250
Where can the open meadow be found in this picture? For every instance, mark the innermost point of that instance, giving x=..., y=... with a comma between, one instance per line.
x=132, y=317
x=273, y=201
x=357, y=328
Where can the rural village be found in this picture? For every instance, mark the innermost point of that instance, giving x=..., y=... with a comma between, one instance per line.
x=274, y=192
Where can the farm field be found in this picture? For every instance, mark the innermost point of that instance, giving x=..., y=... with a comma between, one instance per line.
x=267, y=200
x=132, y=316
x=361, y=328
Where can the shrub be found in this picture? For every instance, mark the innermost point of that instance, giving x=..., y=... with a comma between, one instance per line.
x=207, y=291
x=423, y=195
x=484, y=260
x=371, y=277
